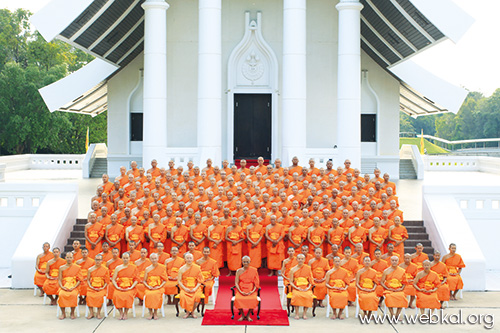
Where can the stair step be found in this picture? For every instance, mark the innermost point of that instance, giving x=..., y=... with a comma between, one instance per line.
x=77, y=234
x=412, y=223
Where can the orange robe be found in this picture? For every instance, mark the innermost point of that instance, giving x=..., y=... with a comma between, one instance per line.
x=298, y=235
x=51, y=286
x=84, y=266
x=199, y=231
x=173, y=267
x=420, y=259
x=455, y=281
x=234, y=251
x=70, y=277
x=158, y=234
x=410, y=272
x=42, y=265
x=380, y=267
x=396, y=299
x=93, y=233
x=154, y=298
x=111, y=267
x=125, y=279
x=302, y=278
x=368, y=301
x=115, y=233
x=249, y=280
x=190, y=278
x=444, y=291
x=216, y=252
x=137, y=235
x=209, y=270
x=179, y=235
x=336, y=237
x=427, y=300
x=317, y=237
x=358, y=235
x=377, y=236
x=288, y=266
x=399, y=233
x=255, y=253
x=98, y=279
x=319, y=269
x=141, y=269
x=339, y=278
x=275, y=254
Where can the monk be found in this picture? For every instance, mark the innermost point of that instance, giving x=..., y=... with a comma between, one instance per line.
x=397, y=235
x=114, y=233
x=337, y=282
x=455, y=264
x=179, y=236
x=192, y=249
x=427, y=283
x=69, y=280
x=287, y=265
x=85, y=263
x=51, y=284
x=142, y=263
x=97, y=285
x=419, y=257
x=198, y=232
x=411, y=270
x=301, y=281
x=335, y=234
x=135, y=233
x=351, y=265
x=393, y=281
x=157, y=233
x=296, y=234
x=254, y=234
x=275, y=246
x=173, y=266
x=215, y=236
x=315, y=235
x=41, y=266
x=155, y=278
x=376, y=236
x=319, y=267
x=94, y=232
x=111, y=264
x=209, y=270
x=124, y=280
x=190, y=281
x=366, y=282
x=247, y=284
x=439, y=267
x=77, y=251
x=234, y=236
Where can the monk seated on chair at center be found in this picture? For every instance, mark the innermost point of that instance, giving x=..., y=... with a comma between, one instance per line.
x=247, y=283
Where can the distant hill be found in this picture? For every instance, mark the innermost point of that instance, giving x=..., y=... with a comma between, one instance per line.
x=431, y=148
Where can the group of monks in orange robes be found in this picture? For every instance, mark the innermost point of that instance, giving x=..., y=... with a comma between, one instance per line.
x=258, y=211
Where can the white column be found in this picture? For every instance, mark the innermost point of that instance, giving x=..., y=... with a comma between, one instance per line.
x=209, y=81
x=293, y=113
x=155, y=82
x=349, y=83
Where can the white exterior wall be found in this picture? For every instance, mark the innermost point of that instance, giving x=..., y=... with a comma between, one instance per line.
x=182, y=59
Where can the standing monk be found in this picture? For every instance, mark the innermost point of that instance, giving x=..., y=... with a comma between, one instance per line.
x=41, y=266
x=454, y=263
x=51, y=285
x=85, y=263
x=275, y=246
x=198, y=232
x=190, y=279
x=254, y=233
x=419, y=257
x=301, y=281
x=114, y=233
x=234, y=236
x=247, y=283
x=142, y=263
x=69, y=279
x=97, y=285
x=124, y=281
x=94, y=231
x=393, y=280
x=337, y=282
x=155, y=278
x=215, y=236
x=135, y=233
x=397, y=235
x=179, y=236
x=209, y=270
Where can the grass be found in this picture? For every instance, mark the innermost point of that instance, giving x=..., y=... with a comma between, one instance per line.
x=431, y=148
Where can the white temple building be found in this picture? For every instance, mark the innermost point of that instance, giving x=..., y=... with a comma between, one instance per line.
x=233, y=79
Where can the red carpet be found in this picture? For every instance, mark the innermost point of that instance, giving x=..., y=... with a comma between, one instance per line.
x=271, y=312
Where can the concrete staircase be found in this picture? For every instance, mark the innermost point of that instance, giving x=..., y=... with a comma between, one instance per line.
x=100, y=167
x=78, y=233
x=417, y=234
x=406, y=169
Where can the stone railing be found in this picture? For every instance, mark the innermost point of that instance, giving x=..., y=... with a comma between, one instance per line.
x=96, y=150
x=412, y=153
x=462, y=163
x=41, y=161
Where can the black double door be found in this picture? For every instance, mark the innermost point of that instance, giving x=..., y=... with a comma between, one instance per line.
x=252, y=126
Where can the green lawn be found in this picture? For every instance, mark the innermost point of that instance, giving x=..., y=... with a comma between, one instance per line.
x=431, y=148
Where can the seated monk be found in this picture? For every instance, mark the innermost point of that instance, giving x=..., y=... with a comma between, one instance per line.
x=301, y=280
x=427, y=283
x=173, y=265
x=41, y=266
x=419, y=257
x=155, y=277
x=124, y=280
x=51, y=284
x=454, y=263
x=411, y=270
x=69, y=280
x=366, y=282
x=189, y=280
x=287, y=265
x=142, y=263
x=97, y=285
x=441, y=270
x=247, y=283
x=85, y=263
x=393, y=281
x=209, y=270
x=337, y=282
